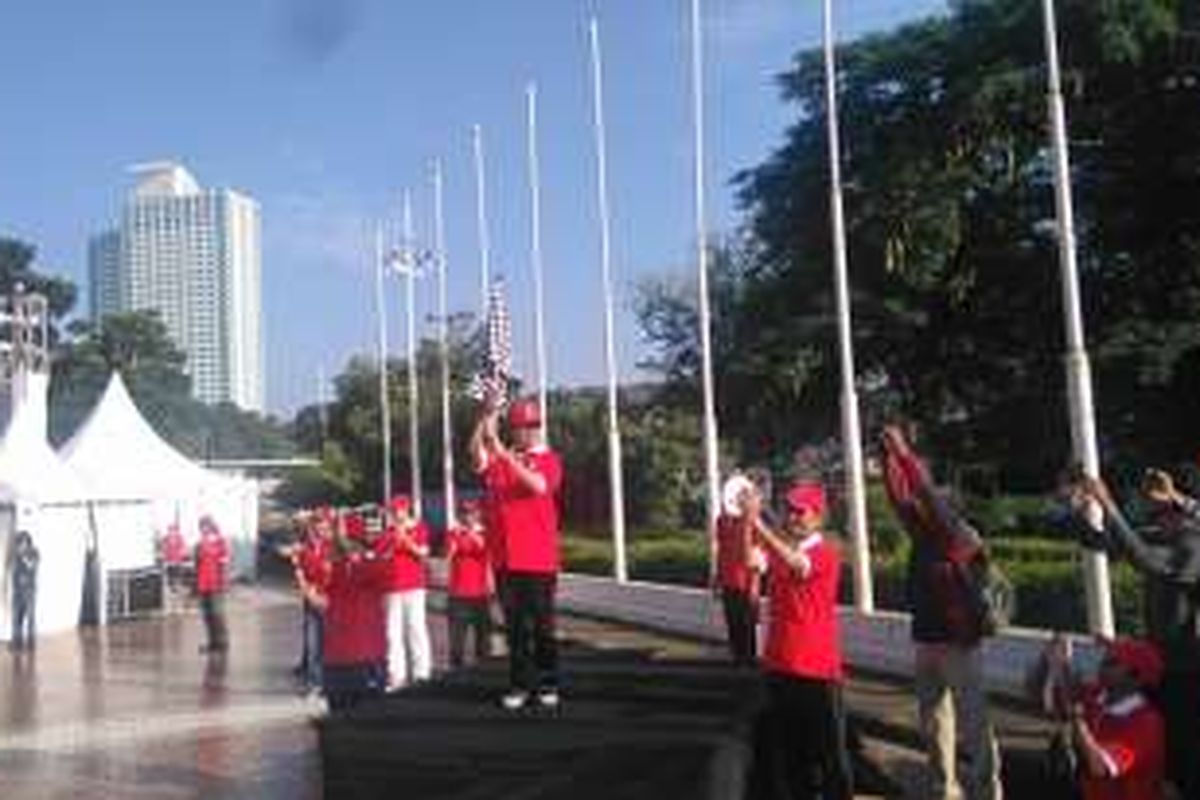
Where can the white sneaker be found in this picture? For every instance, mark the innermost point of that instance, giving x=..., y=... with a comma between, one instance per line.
x=514, y=700
x=548, y=698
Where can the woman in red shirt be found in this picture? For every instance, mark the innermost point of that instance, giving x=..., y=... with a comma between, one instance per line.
x=800, y=739
x=212, y=557
x=470, y=591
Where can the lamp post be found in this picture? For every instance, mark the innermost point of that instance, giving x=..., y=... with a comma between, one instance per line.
x=535, y=252
x=385, y=411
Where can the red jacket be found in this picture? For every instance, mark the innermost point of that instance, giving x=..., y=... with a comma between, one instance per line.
x=525, y=522
x=407, y=568
x=802, y=632
x=212, y=554
x=468, y=564
x=355, y=623
x=734, y=547
x=1131, y=734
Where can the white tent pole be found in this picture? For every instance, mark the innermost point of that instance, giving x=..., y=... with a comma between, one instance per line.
x=616, y=480
x=535, y=252
x=711, y=468
x=439, y=233
x=856, y=502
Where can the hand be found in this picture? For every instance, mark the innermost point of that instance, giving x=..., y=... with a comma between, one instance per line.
x=751, y=501
x=1159, y=487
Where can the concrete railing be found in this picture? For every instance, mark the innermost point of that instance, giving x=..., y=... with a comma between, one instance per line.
x=877, y=641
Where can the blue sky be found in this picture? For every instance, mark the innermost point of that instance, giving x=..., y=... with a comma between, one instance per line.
x=325, y=110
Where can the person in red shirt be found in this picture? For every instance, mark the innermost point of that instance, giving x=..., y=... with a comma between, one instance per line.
x=354, y=648
x=212, y=558
x=310, y=568
x=1118, y=734
x=521, y=485
x=173, y=554
x=736, y=578
x=800, y=737
x=470, y=591
x=405, y=545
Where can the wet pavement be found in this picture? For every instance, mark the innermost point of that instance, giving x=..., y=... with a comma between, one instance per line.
x=134, y=711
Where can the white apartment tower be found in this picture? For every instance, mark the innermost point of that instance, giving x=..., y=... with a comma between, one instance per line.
x=194, y=256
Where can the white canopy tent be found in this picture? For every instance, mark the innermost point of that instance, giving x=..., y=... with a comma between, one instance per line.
x=41, y=495
x=122, y=457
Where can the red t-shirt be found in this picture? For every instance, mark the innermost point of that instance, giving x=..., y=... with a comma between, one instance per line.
x=314, y=561
x=802, y=632
x=174, y=548
x=212, y=553
x=407, y=569
x=1130, y=732
x=468, y=564
x=355, y=623
x=733, y=554
x=525, y=523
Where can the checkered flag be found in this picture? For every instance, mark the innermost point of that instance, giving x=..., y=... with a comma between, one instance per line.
x=490, y=384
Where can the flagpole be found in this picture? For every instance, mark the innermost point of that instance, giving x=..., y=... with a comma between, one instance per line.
x=856, y=503
x=1078, y=366
x=616, y=480
x=439, y=233
x=385, y=412
x=481, y=217
x=711, y=466
x=409, y=255
x=535, y=253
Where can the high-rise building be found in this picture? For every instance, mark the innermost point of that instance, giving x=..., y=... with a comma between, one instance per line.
x=194, y=256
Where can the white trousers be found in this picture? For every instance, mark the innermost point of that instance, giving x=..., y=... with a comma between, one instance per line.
x=410, y=657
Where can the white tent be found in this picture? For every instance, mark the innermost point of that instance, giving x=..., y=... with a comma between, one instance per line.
x=121, y=456
x=41, y=495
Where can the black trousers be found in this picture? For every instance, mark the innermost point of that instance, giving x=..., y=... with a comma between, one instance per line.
x=800, y=742
x=468, y=614
x=741, y=621
x=350, y=685
x=529, y=614
x=24, y=629
x=212, y=608
x=1178, y=697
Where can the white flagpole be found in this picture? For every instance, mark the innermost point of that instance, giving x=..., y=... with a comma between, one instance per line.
x=1078, y=366
x=485, y=245
x=856, y=503
x=535, y=253
x=711, y=467
x=385, y=411
x=616, y=480
x=409, y=255
x=439, y=233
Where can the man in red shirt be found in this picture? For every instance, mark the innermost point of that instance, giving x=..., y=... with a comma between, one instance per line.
x=469, y=603
x=405, y=545
x=212, y=557
x=354, y=649
x=1118, y=734
x=311, y=567
x=522, y=486
x=736, y=578
x=800, y=738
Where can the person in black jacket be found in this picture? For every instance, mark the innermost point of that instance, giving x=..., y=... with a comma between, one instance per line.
x=25, y=560
x=1167, y=553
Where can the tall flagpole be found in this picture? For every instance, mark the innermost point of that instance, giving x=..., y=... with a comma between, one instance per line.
x=481, y=218
x=385, y=411
x=409, y=260
x=1079, y=378
x=711, y=467
x=856, y=503
x=616, y=480
x=535, y=252
x=439, y=234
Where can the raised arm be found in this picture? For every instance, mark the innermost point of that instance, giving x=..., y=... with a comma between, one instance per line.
x=1179, y=565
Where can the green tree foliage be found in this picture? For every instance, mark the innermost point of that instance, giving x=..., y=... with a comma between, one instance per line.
x=18, y=266
x=952, y=244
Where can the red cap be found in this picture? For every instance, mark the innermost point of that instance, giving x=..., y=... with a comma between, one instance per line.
x=1141, y=658
x=356, y=526
x=807, y=495
x=400, y=504
x=524, y=414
